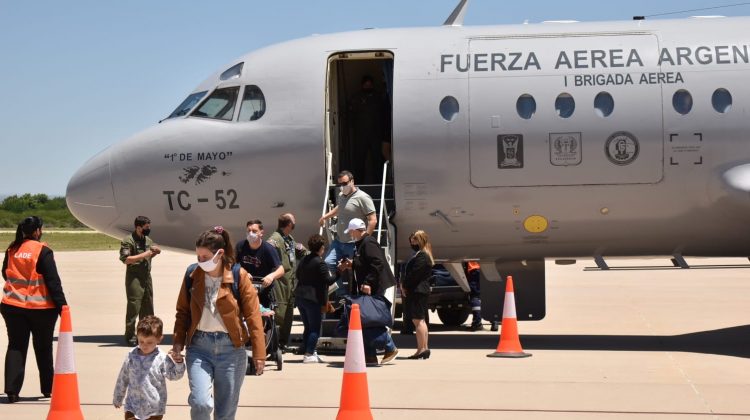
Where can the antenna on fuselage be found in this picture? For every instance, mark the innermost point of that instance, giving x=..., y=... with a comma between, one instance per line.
x=457, y=17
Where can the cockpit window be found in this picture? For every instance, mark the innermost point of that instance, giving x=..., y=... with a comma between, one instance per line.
x=187, y=104
x=232, y=73
x=253, y=104
x=220, y=105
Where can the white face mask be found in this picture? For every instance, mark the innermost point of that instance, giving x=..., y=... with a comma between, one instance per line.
x=347, y=189
x=252, y=237
x=210, y=265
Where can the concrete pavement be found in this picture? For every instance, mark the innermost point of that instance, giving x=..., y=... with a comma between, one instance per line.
x=672, y=344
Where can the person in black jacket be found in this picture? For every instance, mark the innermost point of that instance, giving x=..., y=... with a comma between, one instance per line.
x=415, y=287
x=372, y=276
x=32, y=300
x=313, y=279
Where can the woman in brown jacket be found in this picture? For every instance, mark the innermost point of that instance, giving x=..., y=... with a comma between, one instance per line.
x=209, y=320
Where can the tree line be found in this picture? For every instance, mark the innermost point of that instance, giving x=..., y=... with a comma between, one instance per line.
x=53, y=210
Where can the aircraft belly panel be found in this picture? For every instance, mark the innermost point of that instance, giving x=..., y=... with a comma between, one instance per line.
x=586, y=148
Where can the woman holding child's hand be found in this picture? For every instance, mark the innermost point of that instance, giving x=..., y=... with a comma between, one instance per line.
x=209, y=321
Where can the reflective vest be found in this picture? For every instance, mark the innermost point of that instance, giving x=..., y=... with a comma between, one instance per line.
x=24, y=287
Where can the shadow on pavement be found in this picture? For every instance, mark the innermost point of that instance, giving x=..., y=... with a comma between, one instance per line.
x=732, y=341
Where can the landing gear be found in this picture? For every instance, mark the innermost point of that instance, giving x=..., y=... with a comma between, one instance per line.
x=453, y=316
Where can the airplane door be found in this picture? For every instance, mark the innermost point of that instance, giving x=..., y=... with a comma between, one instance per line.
x=569, y=110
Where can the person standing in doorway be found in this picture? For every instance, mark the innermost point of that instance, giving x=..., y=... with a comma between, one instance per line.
x=136, y=252
x=371, y=142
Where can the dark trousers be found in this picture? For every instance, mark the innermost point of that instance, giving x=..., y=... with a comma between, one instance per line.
x=140, y=294
x=20, y=323
x=285, y=310
x=475, y=300
x=312, y=319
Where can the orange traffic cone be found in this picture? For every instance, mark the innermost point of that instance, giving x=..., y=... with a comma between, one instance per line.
x=355, y=397
x=65, y=404
x=509, y=345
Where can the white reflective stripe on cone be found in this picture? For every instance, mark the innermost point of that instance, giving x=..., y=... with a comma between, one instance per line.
x=65, y=362
x=509, y=307
x=355, y=353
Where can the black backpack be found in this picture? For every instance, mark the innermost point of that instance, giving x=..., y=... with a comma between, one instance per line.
x=235, y=286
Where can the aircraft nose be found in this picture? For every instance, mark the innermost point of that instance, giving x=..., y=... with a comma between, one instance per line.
x=90, y=196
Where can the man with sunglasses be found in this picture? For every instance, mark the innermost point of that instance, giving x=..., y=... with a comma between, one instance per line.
x=351, y=203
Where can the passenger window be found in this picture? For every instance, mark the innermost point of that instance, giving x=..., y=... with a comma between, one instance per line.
x=220, y=105
x=187, y=104
x=449, y=108
x=232, y=73
x=565, y=105
x=253, y=104
x=526, y=106
x=682, y=101
x=604, y=104
x=722, y=101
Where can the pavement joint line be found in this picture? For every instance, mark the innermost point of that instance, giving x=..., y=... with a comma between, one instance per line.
x=689, y=381
x=486, y=410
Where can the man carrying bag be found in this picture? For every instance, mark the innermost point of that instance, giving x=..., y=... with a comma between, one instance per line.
x=372, y=277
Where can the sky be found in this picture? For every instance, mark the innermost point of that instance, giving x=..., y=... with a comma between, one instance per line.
x=78, y=76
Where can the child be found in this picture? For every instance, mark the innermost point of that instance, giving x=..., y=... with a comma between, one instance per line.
x=143, y=374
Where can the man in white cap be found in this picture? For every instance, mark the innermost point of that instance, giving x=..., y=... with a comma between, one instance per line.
x=372, y=276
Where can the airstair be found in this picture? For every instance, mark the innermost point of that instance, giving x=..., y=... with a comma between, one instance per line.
x=384, y=200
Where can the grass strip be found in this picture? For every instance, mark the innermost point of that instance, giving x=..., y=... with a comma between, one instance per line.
x=69, y=241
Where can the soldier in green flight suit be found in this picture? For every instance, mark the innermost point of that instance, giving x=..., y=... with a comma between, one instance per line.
x=136, y=252
x=289, y=253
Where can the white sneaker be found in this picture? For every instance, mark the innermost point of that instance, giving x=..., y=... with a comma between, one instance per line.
x=312, y=358
x=318, y=357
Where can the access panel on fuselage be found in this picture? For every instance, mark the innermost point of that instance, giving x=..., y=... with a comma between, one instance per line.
x=564, y=110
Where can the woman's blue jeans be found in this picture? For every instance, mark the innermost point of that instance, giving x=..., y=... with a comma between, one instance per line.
x=312, y=320
x=213, y=363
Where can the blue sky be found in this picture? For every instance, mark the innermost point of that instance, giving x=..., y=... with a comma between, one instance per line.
x=78, y=76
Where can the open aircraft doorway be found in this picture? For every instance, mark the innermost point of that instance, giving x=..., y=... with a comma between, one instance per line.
x=359, y=98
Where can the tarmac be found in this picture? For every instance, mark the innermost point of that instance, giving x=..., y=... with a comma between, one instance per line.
x=664, y=344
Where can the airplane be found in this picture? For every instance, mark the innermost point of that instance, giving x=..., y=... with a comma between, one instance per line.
x=511, y=145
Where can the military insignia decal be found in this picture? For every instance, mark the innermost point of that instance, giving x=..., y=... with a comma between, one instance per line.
x=622, y=148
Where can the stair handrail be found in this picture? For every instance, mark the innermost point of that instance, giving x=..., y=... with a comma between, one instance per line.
x=382, y=199
x=326, y=195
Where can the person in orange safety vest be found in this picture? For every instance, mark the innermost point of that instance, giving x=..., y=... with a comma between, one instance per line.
x=475, y=300
x=32, y=300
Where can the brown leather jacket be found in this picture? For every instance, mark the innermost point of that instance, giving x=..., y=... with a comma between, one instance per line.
x=189, y=313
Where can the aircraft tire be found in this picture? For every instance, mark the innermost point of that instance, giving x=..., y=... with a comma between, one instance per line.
x=453, y=317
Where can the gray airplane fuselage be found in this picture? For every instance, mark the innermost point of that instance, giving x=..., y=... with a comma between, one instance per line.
x=488, y=183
